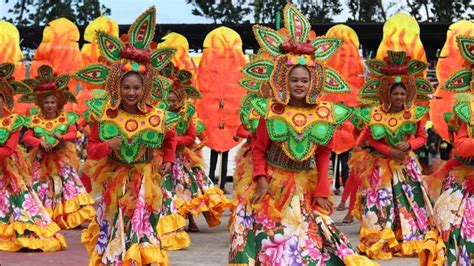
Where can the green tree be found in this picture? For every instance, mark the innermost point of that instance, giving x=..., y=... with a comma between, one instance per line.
x=415, y=8
x=320, y=11
x=369, y=10
x=265, y=11
x=38, y=12
x=448, y=11
x=223, y=11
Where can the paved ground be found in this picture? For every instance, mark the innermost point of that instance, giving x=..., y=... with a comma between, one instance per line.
x=210, y=246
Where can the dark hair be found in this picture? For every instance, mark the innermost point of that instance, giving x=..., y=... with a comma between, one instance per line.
x=398, y=84
x=132, y=73
x=300, y=66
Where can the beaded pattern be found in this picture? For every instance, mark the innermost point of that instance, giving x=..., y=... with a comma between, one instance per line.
x=8, y=125
x=46, y=128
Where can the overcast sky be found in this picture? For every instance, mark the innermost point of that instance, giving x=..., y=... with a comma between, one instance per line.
x=169, y=11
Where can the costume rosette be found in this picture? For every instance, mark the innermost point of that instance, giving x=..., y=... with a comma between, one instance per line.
x=292, y=149
x=453, y=242
x=393, y=206
x=24, y=222
x=54, y=171
x=127, y=181
x=193, y=191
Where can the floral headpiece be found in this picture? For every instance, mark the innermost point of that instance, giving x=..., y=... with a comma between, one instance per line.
x=282, y=50
x=132, y=52
x=182, y=84
x=47, y=83
x=396, y=67
x=8, y=85
x=462, y=80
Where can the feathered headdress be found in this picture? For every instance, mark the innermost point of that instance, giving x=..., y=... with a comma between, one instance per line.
x=8, y=85
x=396, y=67
x=47, y=83
x=136, y=52
x=282, y=50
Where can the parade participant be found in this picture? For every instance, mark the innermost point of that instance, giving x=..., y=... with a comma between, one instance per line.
x=283, y=219
x=453, y=243
x=24, y=222
x=194, y=191
x=50, y=137
x=129, y=129
x=393, y=205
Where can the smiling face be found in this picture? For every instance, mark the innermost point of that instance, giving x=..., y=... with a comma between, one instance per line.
x=173, y=102
x=398, y=97
x=49, y=106
x=299, y=83
x=131, y=90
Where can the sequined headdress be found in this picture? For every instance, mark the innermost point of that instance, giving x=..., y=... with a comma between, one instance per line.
x=182, y=84
x=396, y=67
x=136, y=52
x=8, y=85
x=282, y=50
x=47, y=83
x=462, y=81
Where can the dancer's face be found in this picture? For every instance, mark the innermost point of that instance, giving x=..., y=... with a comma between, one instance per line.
x=131, y=90
x=50, y=105
x=398, y=97
x=173, y=102
x=299, y=82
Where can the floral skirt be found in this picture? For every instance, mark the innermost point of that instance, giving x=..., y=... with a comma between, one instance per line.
x=59, y=187
x=129, y=203
x=393, y=208
x=285, y=229
x=193, y=190
x=453, y=215
x=24, y=222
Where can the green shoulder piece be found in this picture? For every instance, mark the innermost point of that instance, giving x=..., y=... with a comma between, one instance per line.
x=341, y=112
x=4, y=135
x=171, y=118
x=18, y=122
x=421, y=111
x=72, y=118
x=34, y=110
x=260, y=105
x=277, y=129
x=190, y=110
x=463, y=111
x=357, y=122
x=449, y=119
x=96, y=106
x=363, y=114
x=200, y=127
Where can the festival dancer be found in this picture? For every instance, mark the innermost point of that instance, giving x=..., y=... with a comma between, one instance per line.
x=129, y=129
x=393, y=205
x=283, y=219
x=24, y=222
x=453, y=243
x=194, y=191
x=50, y=137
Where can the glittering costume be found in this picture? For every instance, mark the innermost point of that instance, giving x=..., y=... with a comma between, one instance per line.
x=453, y=242
x=54, y=173
x=24, y=222
x=127, y=182
x=193, y=191
x=292, y=149
x=393, y=205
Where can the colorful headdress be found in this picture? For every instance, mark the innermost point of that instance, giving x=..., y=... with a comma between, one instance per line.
x=182, y=84
x=132, y=52
x=47, y=83
x=282, y=50
x=462, y=80
x=396, y=67
x=8, y=85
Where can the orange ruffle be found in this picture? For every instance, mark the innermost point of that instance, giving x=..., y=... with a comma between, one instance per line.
x=171, y=231
x=433, y=250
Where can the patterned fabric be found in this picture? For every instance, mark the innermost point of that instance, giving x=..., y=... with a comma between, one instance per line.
x=59, y=187
x=393, y=207
x=285, y=230
x=124, y=229
x=24, y=222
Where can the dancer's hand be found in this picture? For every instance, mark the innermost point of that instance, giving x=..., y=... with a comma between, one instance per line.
x=236, y=138
x=165, y=167
x=262, y=190
x=46, y=146
x=397, y=154
x=403, y=146
x=115, y=143
x=324, y=203
x=57, y=136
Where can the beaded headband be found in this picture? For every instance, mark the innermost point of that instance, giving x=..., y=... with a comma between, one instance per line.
x=136, y=52
x=282, y=50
